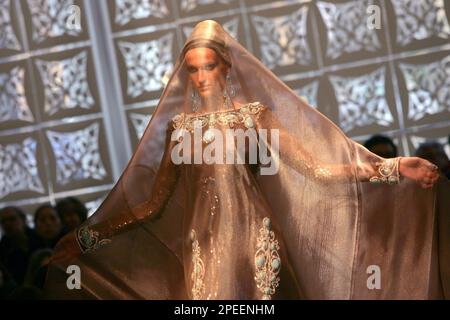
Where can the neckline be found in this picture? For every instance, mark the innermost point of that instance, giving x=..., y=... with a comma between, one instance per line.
x=191, y=115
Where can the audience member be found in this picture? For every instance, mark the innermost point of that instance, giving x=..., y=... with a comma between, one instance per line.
x=72, y=213
x=382, y=146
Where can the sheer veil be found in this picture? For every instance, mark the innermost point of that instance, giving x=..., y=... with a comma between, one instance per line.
x=335, y=224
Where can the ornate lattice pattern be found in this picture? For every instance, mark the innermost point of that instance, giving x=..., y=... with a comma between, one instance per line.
x=283, y=39
x=347, y=29
x=362, y=100
x=77, y=154
x=18, y=168
x=65, y=83
x=428, y=87
x=13, y=102
x=127, y=10
x=418, y=20
x=147, y=63
x=51, y=19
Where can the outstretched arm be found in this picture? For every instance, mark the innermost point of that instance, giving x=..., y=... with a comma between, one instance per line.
x=368, y=166
x=377, y=170
x=92, y=236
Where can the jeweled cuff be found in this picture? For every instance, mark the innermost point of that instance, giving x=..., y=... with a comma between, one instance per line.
x=89, y=239
x=387, y=172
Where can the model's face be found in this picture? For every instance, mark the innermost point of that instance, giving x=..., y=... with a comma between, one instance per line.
x=207, y=71
x=48, y=224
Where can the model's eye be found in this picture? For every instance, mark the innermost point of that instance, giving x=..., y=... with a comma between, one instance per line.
x=191, y=69
x=211, y=66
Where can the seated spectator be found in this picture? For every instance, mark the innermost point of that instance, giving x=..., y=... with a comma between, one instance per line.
x=47, y=226
x=382, y=146
x=17, y=243
x=7, y=283
x=26, y=293
x=72, y=213
x=37, y=268
x=434, y=152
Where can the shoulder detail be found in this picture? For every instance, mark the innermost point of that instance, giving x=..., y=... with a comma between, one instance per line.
x=244, y=115
x=253, y=108
x=178, y=120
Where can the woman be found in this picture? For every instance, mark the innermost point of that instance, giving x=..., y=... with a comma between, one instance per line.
x=300, y=221
x=72, y=213
x=47, y=227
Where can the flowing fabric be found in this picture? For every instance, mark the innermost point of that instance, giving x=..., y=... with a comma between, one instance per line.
x=331, y=216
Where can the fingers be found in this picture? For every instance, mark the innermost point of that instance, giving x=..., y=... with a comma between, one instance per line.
x=425, y=185
x=429, y=181
x=431, y=175
x=432, y=167
x=435, y=178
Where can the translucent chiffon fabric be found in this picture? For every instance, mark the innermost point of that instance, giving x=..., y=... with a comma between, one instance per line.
x=316, y=229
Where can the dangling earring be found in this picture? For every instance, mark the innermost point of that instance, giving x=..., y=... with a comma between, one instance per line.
x=226, y=99
x=195, y=100
x=228, y=88
x=231, y=89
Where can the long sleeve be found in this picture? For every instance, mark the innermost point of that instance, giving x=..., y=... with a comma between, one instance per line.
x=91, y=236
x=374, y=169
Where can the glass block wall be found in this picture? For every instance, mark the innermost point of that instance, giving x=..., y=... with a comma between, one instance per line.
x=76, y=98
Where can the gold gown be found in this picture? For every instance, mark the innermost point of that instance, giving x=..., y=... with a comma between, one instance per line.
x=315, y=229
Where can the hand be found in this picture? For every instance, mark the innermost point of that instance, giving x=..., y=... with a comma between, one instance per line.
x=67, y=249
x=420, y=170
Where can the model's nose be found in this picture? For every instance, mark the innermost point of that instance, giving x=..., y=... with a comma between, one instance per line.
x=201, y=76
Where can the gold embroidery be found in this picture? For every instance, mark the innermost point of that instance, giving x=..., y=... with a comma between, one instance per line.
x=322, y=172
x=388, y=170
x=230, y=118
x=178, y=120
x=267, y=261
x=198, y=269
x=88, y=239
x=210, y=197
